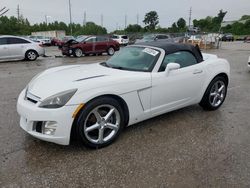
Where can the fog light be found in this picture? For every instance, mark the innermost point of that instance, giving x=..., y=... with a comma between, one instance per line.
x=49, y=127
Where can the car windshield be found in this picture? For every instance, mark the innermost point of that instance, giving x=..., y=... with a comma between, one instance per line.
x=148, y=38
x=80, y=39
x=134, y=59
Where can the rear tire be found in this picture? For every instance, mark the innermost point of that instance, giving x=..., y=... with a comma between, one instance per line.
x=100, y=122
x=111, y=51
x=31, y=55
x=215, y=94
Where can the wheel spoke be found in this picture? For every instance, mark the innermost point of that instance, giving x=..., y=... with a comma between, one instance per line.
x=221, y=97
x=92, y=127
x=221, y=88
x=212, y=94
x=112, y=126
x=216, y=86
x=215, y=100
x=97, y=115
x=109, y=114
x=100, y=136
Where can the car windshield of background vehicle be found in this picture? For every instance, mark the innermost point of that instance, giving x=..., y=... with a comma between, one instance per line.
x=80, y=39
x=134, y=59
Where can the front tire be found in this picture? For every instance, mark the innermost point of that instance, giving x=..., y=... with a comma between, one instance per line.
x=78, y=52
x=100, y=122
x=215, y=94
x=31, y=55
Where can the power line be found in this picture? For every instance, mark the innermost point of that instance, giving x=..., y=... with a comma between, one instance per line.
x=3, y=11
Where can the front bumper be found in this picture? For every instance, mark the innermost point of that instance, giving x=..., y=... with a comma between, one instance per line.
x=30, y=113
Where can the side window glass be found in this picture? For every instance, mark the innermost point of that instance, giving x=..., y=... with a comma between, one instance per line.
x=184, y=58
x=91, y=40
x=17, y=41
x=3, y=41
x=101, y=39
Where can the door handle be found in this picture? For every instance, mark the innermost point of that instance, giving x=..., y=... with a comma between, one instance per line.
x=197, y=71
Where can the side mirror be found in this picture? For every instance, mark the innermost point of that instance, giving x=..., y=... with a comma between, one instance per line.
x=172, y=66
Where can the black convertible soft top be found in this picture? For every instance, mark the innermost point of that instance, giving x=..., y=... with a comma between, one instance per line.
x=176, y=47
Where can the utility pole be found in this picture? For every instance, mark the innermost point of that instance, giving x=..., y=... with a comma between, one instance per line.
x=102, y=20
x=137, y=19
x=85, y=18
x=126, y=21
x=46, y=19
x=18, y=12
x=190, y=17
x=70, y=17
x=116, y=26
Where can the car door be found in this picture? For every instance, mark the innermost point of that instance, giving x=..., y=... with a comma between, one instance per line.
x=177, y=88
x=17, y=47
x=101, y=44
x=4, y=50
x=88, y=46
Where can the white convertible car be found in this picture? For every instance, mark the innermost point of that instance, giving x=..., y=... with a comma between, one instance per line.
x=95, y=102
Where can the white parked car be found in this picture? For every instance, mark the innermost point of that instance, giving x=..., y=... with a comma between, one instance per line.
x=121, y=39
x=95, y=102
x=248, y=62
x=41, y=39
x=12, y=47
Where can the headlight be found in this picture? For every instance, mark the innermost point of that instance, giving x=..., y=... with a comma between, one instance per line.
x=58, y=100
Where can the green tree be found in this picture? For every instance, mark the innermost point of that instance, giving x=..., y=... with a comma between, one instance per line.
x=245, y=17
x=133, y=28
x=151, y=20
x=181, y=23
x=174, y=28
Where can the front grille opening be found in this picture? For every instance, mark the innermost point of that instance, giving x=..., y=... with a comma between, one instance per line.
x=31, y=100
x=37, y=126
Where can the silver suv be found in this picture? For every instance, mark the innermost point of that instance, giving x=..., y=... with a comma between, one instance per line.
x=13, y=48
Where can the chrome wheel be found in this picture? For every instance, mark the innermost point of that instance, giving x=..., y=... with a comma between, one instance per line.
x=78, y=52
x=102, y=124
x=31, y=55
x=217, y=93
x=111, y=51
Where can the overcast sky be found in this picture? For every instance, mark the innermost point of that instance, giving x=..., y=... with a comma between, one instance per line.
x=114, y=11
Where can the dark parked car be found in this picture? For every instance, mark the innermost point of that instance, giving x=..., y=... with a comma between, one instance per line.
x=227, y=37
x=90, y=45
x=247, y=39
x=155, y=37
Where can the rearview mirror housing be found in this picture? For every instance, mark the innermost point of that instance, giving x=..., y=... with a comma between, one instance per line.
x=172, y=66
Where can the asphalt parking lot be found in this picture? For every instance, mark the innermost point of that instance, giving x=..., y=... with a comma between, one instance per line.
x=186, y=148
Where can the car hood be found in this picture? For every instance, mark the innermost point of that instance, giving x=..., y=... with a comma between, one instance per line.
x=85, y=78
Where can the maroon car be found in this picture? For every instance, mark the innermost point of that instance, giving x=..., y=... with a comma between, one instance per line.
x=90, y=45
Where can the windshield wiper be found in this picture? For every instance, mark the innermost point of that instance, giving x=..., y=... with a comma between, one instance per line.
x=113, y=66
x=118, y=67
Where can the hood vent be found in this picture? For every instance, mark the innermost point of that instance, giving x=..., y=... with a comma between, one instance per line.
x=89, y=78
